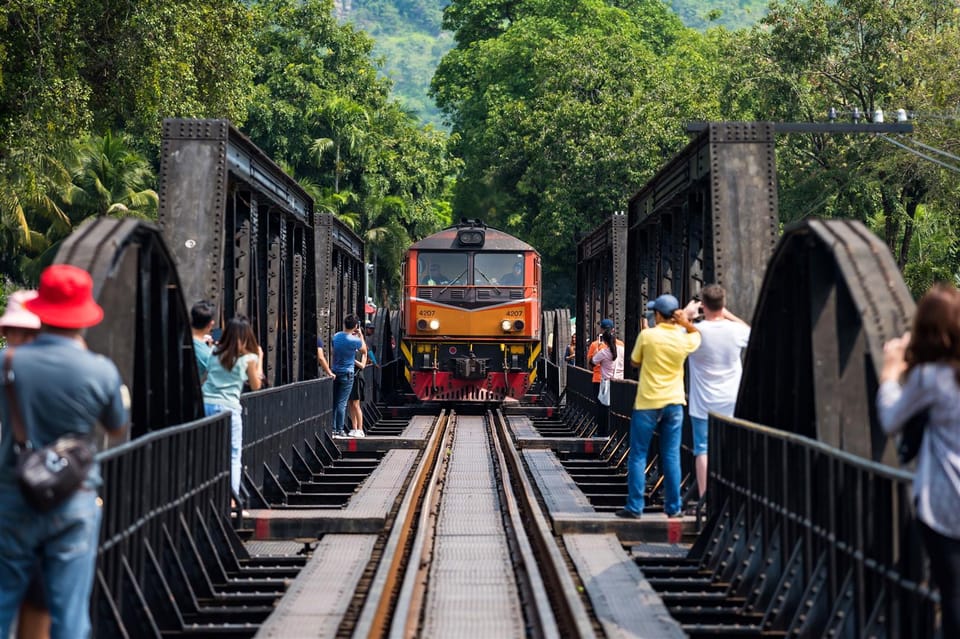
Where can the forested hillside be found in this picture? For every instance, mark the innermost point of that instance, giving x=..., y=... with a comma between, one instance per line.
x=733, y=14
x=559, y=111
x=409, y=37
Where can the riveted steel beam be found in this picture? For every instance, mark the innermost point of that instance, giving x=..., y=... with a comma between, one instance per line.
x=237, y=227
x=709, y=215
x=146, y=328
x=831, y=297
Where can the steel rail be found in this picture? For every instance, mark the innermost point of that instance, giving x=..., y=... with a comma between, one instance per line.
x=567, y=604
x=411, y=596
x=375, y=616
x=529, y=576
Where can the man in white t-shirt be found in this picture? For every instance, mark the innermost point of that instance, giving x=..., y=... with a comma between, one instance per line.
x=715, y=369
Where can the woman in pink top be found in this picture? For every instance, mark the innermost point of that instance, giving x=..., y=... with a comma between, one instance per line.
x=610, y=359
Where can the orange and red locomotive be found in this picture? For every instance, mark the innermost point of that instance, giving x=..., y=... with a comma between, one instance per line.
x=471, y=315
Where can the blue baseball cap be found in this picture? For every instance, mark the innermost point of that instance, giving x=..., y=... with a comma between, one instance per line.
x=666, y=305
x=606, y=323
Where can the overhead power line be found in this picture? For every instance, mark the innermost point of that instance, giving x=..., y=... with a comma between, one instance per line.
x=919, y=154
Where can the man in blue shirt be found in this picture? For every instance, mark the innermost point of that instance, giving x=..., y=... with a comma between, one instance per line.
x=60, y=387
x=345, y=345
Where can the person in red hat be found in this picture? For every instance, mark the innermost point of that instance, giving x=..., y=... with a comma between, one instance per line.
x=59, y=387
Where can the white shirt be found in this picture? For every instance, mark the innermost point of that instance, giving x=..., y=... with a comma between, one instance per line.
x=715, y=367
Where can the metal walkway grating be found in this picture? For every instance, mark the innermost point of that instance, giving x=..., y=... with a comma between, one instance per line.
x=472, y=587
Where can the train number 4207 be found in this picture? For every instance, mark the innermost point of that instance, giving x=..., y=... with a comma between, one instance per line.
x=517, y=313
x=426, y=313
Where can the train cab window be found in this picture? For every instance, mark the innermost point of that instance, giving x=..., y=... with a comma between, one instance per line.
x=505, y=269
x=442, y=269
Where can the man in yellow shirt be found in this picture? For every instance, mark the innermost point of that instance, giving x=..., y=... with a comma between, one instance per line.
x=659, y=353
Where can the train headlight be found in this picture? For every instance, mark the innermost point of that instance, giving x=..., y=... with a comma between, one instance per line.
x=506, y=325
x=518, y=325
x=423, y=324
x=471, y=237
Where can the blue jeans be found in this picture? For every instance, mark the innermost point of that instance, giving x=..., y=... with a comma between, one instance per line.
x=668, y=422
x=342, y=385
x=699, y=425
x=236, y=440
x=65, y=539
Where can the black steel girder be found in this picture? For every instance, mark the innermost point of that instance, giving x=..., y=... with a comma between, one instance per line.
x=831, y=297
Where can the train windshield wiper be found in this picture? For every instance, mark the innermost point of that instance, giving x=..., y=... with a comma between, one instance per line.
x=453, y=281
x=489, y=281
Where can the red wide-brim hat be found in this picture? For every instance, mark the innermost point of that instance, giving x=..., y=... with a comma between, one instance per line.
x=65, y=298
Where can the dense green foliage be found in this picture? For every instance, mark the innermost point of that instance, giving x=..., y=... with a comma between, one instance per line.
x=868, y=55
x=560, y=110
x=84, y=87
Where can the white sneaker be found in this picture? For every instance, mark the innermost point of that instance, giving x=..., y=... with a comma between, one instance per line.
x=353, y=433
x=338, y=435
x=361, y=434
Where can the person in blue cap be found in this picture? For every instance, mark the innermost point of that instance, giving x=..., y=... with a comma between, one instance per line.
x=659, y=354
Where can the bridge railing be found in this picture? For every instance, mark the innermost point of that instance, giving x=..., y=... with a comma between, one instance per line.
x=582, y=400
x=277, y=421
x=552, y=384
x=150, y=485
x=843, y=524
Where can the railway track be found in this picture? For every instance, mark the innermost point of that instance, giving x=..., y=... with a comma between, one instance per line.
x=466, y=544
x=478, y=559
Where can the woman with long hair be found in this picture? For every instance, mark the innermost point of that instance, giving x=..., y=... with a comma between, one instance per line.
x=921, y=372
x=236, y=359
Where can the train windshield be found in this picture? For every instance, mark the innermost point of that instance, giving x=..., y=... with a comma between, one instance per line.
x=504, y=269
x=442, y=269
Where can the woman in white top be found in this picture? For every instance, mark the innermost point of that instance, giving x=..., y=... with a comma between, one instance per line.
x=921, y=371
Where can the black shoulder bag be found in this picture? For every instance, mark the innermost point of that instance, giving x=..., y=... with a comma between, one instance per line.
x=912, y=436
x=50, y=475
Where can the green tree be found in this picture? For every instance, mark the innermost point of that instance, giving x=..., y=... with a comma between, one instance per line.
x=858, y=55
x=169, y=58
x=32, y=188
x=561, y=110
x=348, y=123
x=321, y=106
x=68, y=68
x=111, y=179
